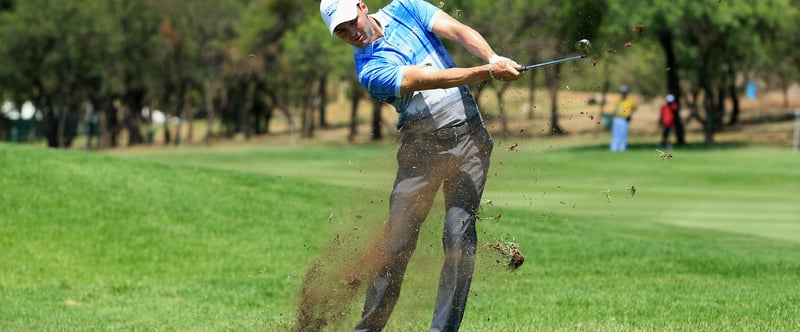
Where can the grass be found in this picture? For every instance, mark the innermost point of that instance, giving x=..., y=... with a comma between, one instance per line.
x=97, y=243
x=219, y=239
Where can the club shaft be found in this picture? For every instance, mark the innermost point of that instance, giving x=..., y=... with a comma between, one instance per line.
x=575, y=57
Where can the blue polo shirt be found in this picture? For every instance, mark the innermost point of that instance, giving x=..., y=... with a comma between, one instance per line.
x=408, y=41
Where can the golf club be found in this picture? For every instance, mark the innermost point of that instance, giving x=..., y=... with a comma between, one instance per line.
x=583, y=46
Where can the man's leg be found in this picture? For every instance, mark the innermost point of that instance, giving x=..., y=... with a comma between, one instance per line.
x=623, y=144
x=413, y=194
x=616, y=131
x=619, y=134
x=664, y=138
x=463, y=188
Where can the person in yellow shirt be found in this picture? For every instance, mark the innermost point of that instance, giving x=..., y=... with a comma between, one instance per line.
x=622, y=116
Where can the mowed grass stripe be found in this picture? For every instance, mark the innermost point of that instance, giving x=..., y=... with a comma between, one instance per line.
x=338, y=165
x=776, y=218
x=729, y=189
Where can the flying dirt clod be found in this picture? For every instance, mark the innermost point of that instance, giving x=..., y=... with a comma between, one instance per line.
x=510, y=250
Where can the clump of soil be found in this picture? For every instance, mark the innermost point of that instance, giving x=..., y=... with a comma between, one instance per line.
x=512, y=257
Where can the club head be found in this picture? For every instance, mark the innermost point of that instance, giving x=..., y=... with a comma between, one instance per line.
x=584, y=47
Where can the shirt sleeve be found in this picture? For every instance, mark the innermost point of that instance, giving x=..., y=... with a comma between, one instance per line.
x=382, y=77
x=424, y=11
x=382, y=72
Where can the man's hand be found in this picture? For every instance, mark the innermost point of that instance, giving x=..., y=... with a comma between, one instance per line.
x=504, y=69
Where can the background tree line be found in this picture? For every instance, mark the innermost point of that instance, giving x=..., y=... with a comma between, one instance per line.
x=239, y=63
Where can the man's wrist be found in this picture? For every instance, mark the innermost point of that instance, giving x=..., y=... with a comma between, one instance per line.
x=497, y=58
x=491, y=74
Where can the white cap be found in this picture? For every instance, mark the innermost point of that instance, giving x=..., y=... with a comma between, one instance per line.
x=335, y=12
x=623, y=89
x=670, y=98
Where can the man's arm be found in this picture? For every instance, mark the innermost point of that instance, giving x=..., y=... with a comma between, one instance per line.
x=423, y=78
x=448, y=27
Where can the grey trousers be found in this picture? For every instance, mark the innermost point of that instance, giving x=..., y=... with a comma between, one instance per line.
x=459, y=166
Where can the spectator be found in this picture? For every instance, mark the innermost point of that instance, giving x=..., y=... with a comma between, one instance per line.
x=667, y=120
x=622, y=116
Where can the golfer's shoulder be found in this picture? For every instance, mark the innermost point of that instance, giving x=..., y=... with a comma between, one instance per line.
x=405, y=2
x=413, y=6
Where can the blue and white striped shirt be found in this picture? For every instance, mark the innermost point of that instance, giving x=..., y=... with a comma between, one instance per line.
x=408, y=41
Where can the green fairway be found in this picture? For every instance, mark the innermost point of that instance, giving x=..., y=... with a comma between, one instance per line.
x=199, y=239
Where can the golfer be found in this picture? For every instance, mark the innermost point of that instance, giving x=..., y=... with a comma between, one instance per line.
x=400, y=59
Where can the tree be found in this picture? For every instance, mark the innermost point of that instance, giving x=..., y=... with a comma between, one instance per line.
x=264, y=25
x=131, y=78
x=236, y=62
x=708, y=46
x=504, y=38
x=574, y=20
x=65, y=48
x=311, y=56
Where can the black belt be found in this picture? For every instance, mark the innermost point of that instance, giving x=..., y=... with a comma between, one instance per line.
x=452, y=132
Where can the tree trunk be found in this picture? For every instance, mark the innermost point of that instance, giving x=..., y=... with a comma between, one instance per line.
x=673, y=81
x=183, y=119
x=50, y=126
x=708, y=127
x=208, y=96
x=167, y=131
x=478, y=92
x=61, y=129
x=132, y=125
x=110, y=127
x=604, y=92
x=267, y=119
x=708, y=102
x=377, y=135
x=734, y=119
x=719, y=107
x=601, y=112
x=323, y=101
x=270, y=109
x=531, y=94
x=188, y=114
x=247, y=109
x=307, y=121
x=71, y=129
x=355, y=97
x=501, y=109
x=181, y=113
x=171, y=106
x=290, y=118
x=552, y=82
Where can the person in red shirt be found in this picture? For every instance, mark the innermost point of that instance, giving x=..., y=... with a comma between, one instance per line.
x=667, y=120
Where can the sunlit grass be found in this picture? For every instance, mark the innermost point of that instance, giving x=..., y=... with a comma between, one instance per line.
x=219, y=238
